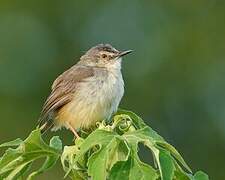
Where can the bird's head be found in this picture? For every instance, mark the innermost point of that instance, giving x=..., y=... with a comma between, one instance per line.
x=103, y=55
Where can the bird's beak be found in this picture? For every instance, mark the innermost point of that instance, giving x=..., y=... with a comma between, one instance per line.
x=123, y=53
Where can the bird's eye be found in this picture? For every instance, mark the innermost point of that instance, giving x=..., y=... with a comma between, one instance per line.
x=104, y=55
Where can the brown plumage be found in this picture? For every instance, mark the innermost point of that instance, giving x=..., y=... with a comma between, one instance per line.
x=63, y=90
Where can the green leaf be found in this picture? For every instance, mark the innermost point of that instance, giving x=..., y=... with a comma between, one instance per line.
x=9, y=156
x=49, y=162
x=166, y=165
x=138, y=122
x=175, y=153
x=67, y=159
x=149, y=138
x=108, y=148
x=18, y=172
x=201, y=176
x=56, y=143
x=99, y=162
x=15, y=142
x=179, y=173
x=98, y=137
x=132, y=169
x=121, y=170
x=15, y=162
x=145, y=133
x=77, y=175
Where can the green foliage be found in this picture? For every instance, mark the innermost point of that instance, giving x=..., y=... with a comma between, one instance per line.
x=16, y=162
x=108, y=152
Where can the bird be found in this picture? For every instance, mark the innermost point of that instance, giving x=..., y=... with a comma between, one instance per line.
x=88, y=92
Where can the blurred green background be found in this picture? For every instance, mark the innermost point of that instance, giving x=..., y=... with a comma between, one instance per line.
x=174, y=79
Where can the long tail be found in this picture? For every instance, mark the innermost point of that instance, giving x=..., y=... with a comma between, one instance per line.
x=46, y=127
x=45, y=124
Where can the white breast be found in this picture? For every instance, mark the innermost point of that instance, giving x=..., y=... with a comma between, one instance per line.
x=95, y=99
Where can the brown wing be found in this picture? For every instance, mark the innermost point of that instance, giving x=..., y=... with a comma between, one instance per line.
x=62, y=93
